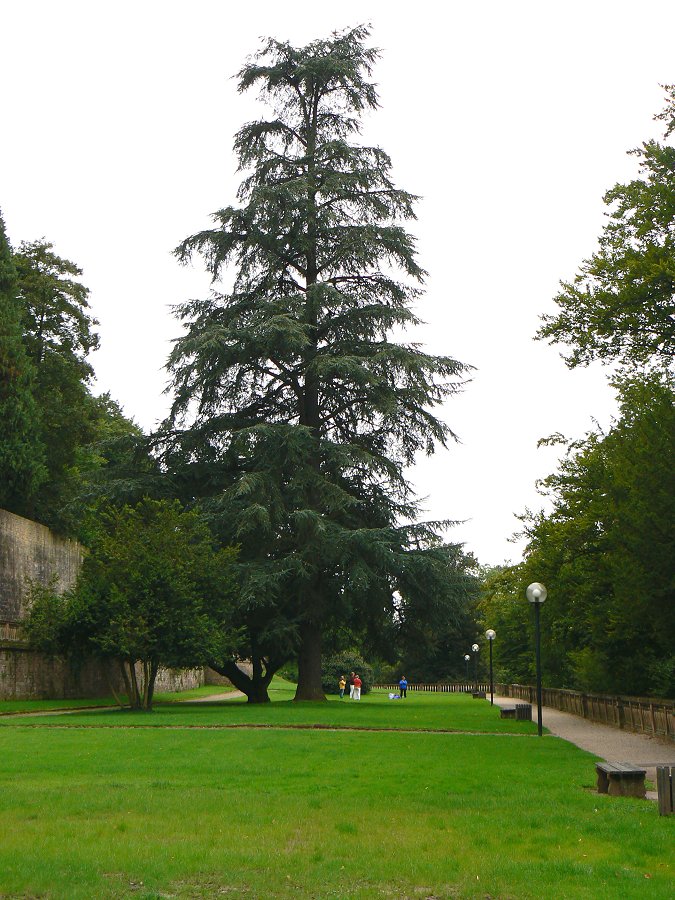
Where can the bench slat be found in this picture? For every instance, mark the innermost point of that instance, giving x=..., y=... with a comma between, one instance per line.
x=620, y=769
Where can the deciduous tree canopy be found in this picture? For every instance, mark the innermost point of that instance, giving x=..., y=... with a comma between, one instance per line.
x=153, y=592
x=56, y=437
x=606, y=553
x=621, y=305
x=22, y=468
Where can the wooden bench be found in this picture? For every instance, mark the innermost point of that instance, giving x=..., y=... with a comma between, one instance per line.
x=478, y=695
x=620, y=780
x=519, y=711
x=524, y=711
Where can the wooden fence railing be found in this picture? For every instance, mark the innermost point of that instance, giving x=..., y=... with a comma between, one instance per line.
x=639, y=714
x=458, y=688
x=10, y=631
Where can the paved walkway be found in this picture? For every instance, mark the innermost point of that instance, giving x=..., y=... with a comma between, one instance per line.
x=212, y=698
x=610, y=744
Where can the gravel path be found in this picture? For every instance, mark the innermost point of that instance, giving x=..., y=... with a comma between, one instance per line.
x=228, y=695
x=610, y=744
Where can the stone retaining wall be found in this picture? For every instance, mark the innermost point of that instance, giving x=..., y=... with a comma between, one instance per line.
x=28, y=675
x=31, y=552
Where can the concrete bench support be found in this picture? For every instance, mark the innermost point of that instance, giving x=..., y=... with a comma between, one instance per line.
x=620, y=780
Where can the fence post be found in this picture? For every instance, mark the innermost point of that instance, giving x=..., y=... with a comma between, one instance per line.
x=620, y=714
x=664, y=786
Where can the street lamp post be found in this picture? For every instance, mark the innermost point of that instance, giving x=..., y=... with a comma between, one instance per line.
x=466, y=660
x=536, y=593
x=490, y=634
x=475, y=649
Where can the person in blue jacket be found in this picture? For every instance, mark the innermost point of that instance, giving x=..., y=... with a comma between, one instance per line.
x=403, y=685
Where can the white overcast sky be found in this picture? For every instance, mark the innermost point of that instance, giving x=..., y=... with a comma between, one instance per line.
x=510, y=119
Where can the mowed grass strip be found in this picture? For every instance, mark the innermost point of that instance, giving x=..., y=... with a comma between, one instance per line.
x=420, y=711
x=13, y=707
x=147, y=813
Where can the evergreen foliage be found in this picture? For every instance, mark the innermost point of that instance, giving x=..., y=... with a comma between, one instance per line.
x=295, y=410
x=58, y=335
x=113, y=468
x=22, y=468
x=436, y=626
x=59, y=443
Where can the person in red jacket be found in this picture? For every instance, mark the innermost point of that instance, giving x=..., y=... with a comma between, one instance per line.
x=357, y=687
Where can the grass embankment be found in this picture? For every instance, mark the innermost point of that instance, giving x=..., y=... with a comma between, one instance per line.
x=99, y=812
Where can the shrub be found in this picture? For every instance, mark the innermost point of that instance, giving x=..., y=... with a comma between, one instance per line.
x=343, y=664
x=289, y=672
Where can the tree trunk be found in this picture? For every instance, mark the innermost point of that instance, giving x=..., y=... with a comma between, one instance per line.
x=309, y=663
x=309, y=654
x=145, y=682
x=258, y=692
x=255, y=688
x=127, y=682
x=134, y=692
x=111, y=686
x=152, y=676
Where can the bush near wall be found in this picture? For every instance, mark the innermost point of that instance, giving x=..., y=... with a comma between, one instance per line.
x=343, y=664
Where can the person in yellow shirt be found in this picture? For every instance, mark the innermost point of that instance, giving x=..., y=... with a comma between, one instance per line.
x=342, y=684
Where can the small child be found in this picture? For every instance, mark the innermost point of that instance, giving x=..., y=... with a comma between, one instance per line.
x=342, y=684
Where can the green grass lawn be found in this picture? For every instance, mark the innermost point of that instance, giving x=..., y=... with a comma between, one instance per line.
x=148, y=813
x=199, y=693
x=375, y=710
x=8, y=707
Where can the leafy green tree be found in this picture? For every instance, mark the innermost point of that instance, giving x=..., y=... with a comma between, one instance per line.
x=503, y=608
x=436, y=626
x=606, y=551
x=56, y=308
x=153, y=592
x=621, y=306
x=22, y=468
x=343, y=664
x=115, y=468
x=295, y=412
x=58, y=335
